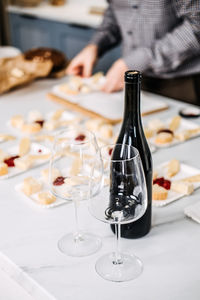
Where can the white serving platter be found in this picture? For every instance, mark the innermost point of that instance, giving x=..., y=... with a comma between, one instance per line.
x=36, y=149
x=185, y=171
x=70, y=116
x=184, y=125
x=98, y=101
x=33, y=198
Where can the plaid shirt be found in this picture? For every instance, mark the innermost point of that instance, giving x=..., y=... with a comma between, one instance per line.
x=159, y=37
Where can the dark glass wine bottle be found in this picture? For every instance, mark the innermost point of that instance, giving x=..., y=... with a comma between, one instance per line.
x=132, y=134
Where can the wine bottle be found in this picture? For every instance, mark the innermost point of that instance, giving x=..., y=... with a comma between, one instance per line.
x=132, y=133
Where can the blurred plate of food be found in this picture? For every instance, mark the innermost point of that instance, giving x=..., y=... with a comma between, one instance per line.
x=173, y=180
x=171, y=131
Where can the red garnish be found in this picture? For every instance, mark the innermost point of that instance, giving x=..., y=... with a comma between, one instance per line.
x=166, y=184
x=39, y=150
x=40, y=122
x=165, y=130
x=10, y=161
x=110, y=151
x=59, y=180
x=80, y=137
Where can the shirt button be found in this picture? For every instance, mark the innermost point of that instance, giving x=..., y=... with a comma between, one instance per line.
x=135, y=6
x=129, y=32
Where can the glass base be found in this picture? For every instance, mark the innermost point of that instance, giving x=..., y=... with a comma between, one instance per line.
x=79, y=245
x=128, y=268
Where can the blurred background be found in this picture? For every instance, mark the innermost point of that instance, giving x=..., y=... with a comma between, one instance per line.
x=66, y=25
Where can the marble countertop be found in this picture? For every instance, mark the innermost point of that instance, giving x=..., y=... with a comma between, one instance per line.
x=74, y=11
x=29, y=234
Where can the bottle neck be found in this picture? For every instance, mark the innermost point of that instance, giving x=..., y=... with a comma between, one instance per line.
x=132, y=103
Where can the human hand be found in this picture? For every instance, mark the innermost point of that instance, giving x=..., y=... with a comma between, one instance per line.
x=115, y=77
x=82, y=64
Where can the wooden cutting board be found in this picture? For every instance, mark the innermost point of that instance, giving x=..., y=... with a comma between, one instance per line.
x=108, y=107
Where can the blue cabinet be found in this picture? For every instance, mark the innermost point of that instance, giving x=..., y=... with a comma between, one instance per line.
x=29, y=32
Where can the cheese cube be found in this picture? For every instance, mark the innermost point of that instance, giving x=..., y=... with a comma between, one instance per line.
x=46, y=198
x=17, y=121
x=182, y=187
x=23, y=163
x=31, y=186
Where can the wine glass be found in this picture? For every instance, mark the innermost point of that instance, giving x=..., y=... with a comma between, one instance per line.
x=76, y=174
x=122, y=200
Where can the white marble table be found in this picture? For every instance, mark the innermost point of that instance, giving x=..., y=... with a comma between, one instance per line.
x=28, y=234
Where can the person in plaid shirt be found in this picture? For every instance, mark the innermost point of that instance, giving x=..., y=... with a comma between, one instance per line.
x=161, y=38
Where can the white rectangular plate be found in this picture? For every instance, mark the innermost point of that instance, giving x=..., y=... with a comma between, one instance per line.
x=184, y=125
x=33, y=198
x=185, y=171
x=66, y=116
x=114, y=102
x=35, y=147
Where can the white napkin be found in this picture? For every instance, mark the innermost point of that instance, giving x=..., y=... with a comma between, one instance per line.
x=193, y=211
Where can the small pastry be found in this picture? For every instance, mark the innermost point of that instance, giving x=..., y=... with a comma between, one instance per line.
x=175, y=123
x=7, y=137
x=187, y=134
x=106, y=131
x=17, y=121
x=39, y=156
x=155, y=124
x=193, y=131
x=3, y=155
x=76, y=83
x=31, y=186
x=94, y=124
x=54, y=174
x=31, y=128
x=173, y=167
x=40, y=138
x=182, y=136
x=46, y=198
x=67, y=90
x=195, y=178
x=3, y=169
x=182, y=187
x=96, y=77
x=63, y=123
x=34, y=115
x=57, y=114
x=163, y=138
x=23, y=163
x=159, y=193
x=50, y=125
x=148, y=132
x=24, y=146
x=85, y=89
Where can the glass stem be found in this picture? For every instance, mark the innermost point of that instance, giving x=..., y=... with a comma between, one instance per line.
x=118, y=258
x=77, y=235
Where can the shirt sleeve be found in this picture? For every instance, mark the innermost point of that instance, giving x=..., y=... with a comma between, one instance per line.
x=176, y=47
x=108, y=34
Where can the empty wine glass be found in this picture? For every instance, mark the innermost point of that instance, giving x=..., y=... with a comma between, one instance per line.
x=75, y=175
x=122, y=200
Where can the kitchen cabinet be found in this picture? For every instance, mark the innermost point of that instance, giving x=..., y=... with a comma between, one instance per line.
x=28, y=31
